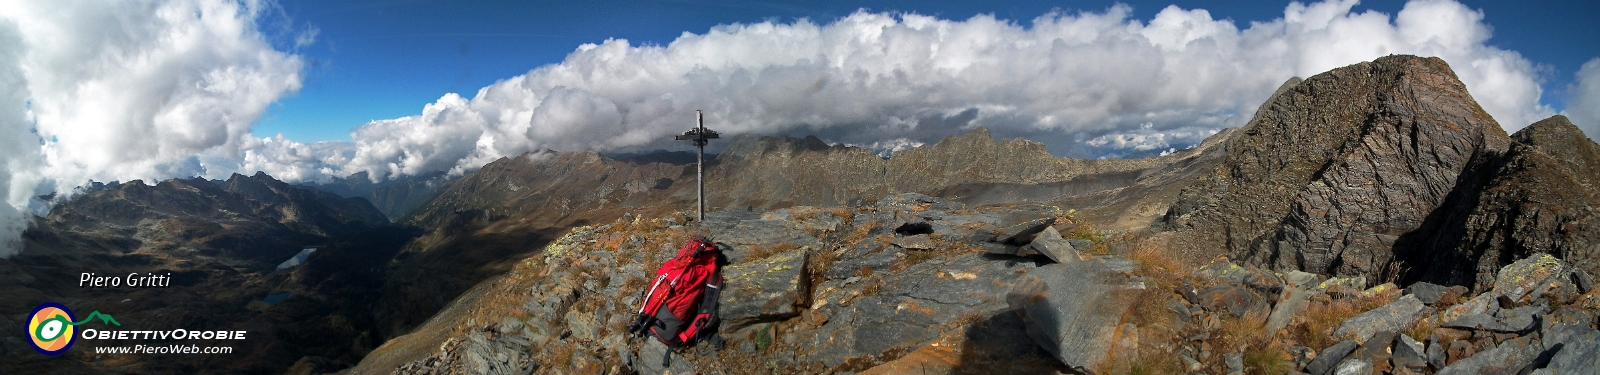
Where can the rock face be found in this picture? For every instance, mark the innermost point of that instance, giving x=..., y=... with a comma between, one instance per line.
x=1542, y=196
x=1375, y=169
x=1333, y=170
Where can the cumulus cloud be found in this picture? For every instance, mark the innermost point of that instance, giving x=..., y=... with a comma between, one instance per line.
x=128, y=90
x=1584, y=109
x=1088, y=84
x=152, y=90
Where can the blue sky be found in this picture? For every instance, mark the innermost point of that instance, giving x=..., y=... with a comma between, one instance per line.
x=376, y=60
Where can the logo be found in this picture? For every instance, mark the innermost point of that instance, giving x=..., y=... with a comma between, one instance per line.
x=50, y=327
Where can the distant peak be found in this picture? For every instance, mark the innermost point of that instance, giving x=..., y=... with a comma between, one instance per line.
x=1553, y=130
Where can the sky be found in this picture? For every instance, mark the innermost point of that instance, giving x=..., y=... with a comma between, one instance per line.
x=368, y=54
x=311, y=90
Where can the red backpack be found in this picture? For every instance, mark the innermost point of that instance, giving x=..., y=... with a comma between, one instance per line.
x=681, y=305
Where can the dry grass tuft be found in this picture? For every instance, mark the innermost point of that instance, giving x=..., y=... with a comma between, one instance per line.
x=1314, y=328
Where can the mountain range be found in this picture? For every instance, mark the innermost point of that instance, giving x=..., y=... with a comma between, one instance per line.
x=1384, y=171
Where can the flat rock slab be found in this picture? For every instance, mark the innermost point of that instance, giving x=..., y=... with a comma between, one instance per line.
x=912, y=306
x=916, y=242
x=648, y=361
x=1019, y=228
x=1510, y=357
x=744, y=235
x=1331, y=356
x=763, y=290
x=1291, y=304
x=1577, y=353
x=1393, y=317
x=1428, y=293
x=1050, y=244
x=859, y=258
x=1074, y=310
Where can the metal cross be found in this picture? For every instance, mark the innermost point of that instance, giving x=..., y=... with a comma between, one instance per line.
x=701, y=136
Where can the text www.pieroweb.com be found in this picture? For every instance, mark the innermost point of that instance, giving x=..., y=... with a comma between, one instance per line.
x=163, y=349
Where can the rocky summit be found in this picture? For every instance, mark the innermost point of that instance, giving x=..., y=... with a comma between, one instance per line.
x=810, y=290
x=1388, y=170
x=1372, y=219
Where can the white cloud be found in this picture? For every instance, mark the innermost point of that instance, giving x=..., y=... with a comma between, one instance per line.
x=887, y=148
x=870, y=77
x=152, y=90
x=128, y=90
x=1584, y=109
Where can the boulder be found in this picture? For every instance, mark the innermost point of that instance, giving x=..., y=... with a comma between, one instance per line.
x=1343, y=287
x=1229, y=298
x=1302, y=279
x=1510, y=357
x=1333, y=355
x=1050, y=244
x=1019, y=228
x=1378, y=349
x=1580, y=354
x=1353, y=366
x=1533, y=277
x=1074, y=310
x=1576, y=346
x=1081, y=244
x=1291, y=303
x=1482, y=304
x=1428, y=293
x=1519, y=320
x=769, y=289
x=1408, y=353
x=1396, y=316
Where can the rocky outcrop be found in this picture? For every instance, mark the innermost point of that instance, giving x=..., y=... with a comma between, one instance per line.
x=807, y=291
x=1075, y=310
x=1333, y=171
x=1542, y=196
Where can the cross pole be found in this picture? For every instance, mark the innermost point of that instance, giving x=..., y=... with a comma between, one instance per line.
x=700, y=136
